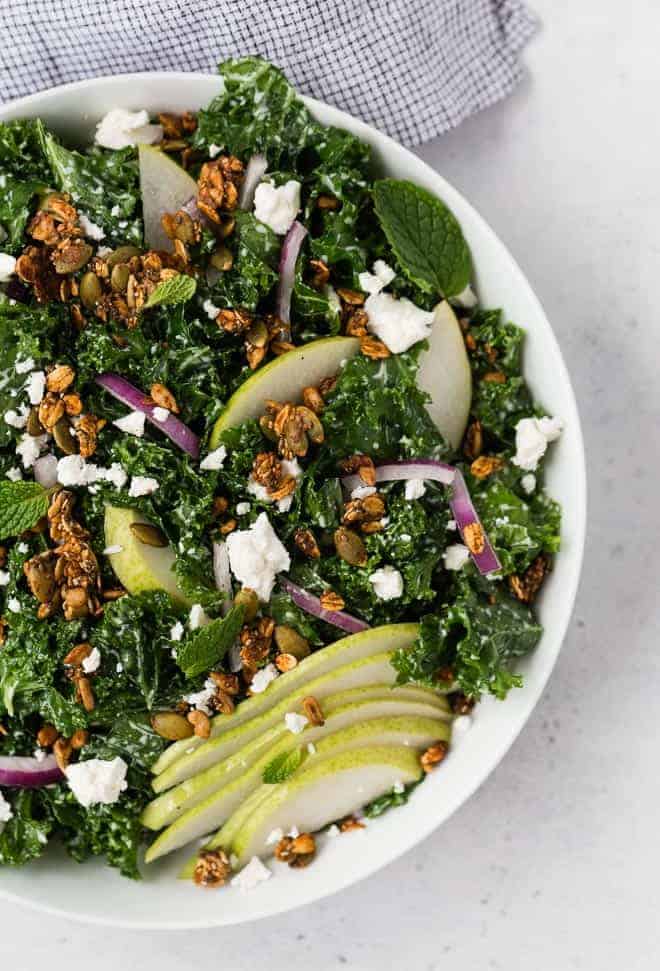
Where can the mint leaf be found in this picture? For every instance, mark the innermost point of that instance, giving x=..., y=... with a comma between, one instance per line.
x=22, y=504
x=178, y=289
x=425, y=236
x=208, y=645
x=282, y=766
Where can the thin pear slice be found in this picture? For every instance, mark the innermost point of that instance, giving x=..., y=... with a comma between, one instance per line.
x=165, y=187
x=445, y=374
x=137, y=565
x=328, y=790
x=389, y=637
x=344, y=730
x=340, y=709
x=284, y=379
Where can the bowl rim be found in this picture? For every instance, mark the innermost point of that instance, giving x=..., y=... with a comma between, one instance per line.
x=532, y=692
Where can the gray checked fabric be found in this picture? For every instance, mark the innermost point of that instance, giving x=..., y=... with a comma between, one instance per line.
x=413, y=68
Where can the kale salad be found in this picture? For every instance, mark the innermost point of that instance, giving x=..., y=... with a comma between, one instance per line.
x=271, y=486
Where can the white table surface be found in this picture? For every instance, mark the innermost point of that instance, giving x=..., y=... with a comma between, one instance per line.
x=553, y=864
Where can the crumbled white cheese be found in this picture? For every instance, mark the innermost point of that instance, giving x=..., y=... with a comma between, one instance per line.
x=532, y=438
x=4, y=578
x=295, y=723
x=333, y=831
x=198, y=617
x=289, y=467
x=277, y=206
x=89, y=228
x=92, y=662
x=132, y=423
x=274, y=836
x=73, y=470
x=45, y=470
x=334, y=303
x=467, y=298
x=398, y=323
x=243, y=508
x=263, y=678
x=5, y=810
x=111, y=550
x=311, y=748
x=214, y=460
x=120, y=128
x=210, y=309
x=361, y=492
x=29, y=449
x=398, y=788
x=23, y=365
x=97, y=780
x=160, y=414
x=14, y=605
x=104, y=251
x=176, y=632
x=376, y=281
x=7, y=267
x=142, y=485
x=35, y=387
x=214, y=150
x=415, y=489
x=456, y=556
x=528, y=482
x=39, y=754
x=23, y=548
x=201, y=700
x=251, y=875
x=119, y=667
x=387, y=583
x=14, y=474
x=17, y=419
x=115, y=475
x=256, y=556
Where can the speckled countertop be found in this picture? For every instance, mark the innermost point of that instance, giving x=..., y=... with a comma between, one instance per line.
x=553, y=864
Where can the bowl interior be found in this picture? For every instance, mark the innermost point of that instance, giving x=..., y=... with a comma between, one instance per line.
x=99, y=895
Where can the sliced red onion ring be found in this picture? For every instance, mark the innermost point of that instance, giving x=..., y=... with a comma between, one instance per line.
x=460, y=503
x=27, y=772
x=287, y=270
x=254, y=172
x=124, y=391
x=312, y=605
x=222, y=574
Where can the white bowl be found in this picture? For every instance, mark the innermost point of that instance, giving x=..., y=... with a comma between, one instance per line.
x=96, y=894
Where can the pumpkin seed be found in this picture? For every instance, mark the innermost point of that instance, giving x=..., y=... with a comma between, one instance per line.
x=63, y=437
x=248, y=599
x=119, y=277
x=222, y=259
x=294, y=436
x=184, y=227
x=266, y=426
x=73, y=257
x=311, y=424
x=171, y=725
x=34, y=426
x=91, y=290
x=148, y=534
x=122, y=255
x=289, y=641
x=350, y=547
x=257, y=334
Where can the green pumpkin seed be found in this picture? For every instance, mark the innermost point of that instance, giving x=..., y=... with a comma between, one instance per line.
x=122, y=255
x=257, y=334
x=119, y=277
x=222, y=259
x=350, y=547
x=171, y=725
x=248, y=599
x=34, y=426
x=289, y=641
x=148, y=534
x=73, y=257
x=63, y=437
x=91, y=290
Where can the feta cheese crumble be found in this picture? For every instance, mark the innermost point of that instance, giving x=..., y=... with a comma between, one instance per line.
x=35, y=387
x=295, y=723
x=210, y=309
x=120, y=128
x=5, y=810
x=23, y=365
x=97, y=780
x=45, y=470
x=14, y=605
x=201, y=700
x=376, y=281
x=256, y=556
x=29, y=449
x=361, y=492
x=528, y=482
x=214, y=460
x=90, y=228
x=142, y=485
x=160, y=414
x=456, y=556
x=251, y=875
x=14, y=474
x=17, y=419
x=7, y=267
x=415, y=489
x=387, y=583
x=176, y=631
x=533, y=436
x=243, y=508
x=132, y=423
x=4, y=578
x=198, y=617
x=92, y=662
x=263, y=678
x=398, y=323
x=277, y=206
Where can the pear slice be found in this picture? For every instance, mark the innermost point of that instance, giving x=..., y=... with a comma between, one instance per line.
x=340, y=709
x=138, y=566
x=328, y=790
x=346, y=729
x=165, y=187
x=284, y=378
x=389, y=637
x=445, y=374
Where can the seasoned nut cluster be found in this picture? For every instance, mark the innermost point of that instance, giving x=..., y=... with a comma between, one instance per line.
x=297, y=851
x=261, y=333
x=526, y=587
x=213, y=869
x=218, y=185
x=62, y=747
x=366, y=513
x=61, y=249
x=293, y=427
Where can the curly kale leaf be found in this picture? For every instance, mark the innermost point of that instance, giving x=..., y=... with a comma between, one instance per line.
x=253, y=274
x=475, y=639
x=21, y=150
x=25, y=835
x=15, y=209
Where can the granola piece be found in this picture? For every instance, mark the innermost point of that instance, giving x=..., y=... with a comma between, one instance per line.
x=297, y=851
x=526, y=587
x=363, y=465
x=87, y=431
x=474, y=538
x=313, y=710
x=349, y=823
x=306, y=543
x=473, y=442
x=218, y=186
x=433, y=756
x=163, y=398
x=213, y=869
x=234, y=321
x=267, y=470
x=59, y=378
x=374, y=348
x=331, y=600
x=486, y=465
x=200, y=722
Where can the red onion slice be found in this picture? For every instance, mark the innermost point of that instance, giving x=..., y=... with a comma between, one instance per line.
x=460, y=502
x=222, y=574
x=254, y=173
x=312, y=605
x=27, y=772
x=124, y=391
x=287, y=270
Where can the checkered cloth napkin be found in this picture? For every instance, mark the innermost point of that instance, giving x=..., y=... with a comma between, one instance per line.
x=413, y=68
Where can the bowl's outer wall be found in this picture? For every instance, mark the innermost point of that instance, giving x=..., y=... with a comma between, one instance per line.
x=95, y=894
